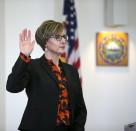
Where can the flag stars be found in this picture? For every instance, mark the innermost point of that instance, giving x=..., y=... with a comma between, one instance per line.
x=72, y=22
x=72, y=15
x=72, y=37
x=72, y=8
x=71, y=30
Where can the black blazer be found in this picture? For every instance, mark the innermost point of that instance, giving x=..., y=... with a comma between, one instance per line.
x=42, y=90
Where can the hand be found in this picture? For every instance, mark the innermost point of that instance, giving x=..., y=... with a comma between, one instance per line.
x=25, y=44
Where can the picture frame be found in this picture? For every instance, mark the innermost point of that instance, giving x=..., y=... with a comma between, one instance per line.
x=112, y=49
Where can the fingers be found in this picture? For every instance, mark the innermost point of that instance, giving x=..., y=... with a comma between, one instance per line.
x=25, y=44
x=25, y=35
x=29, y=35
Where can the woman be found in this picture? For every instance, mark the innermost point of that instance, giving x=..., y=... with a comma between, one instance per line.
x=55, y=99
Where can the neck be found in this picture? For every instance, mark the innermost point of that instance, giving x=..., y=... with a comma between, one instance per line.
x=53, y=57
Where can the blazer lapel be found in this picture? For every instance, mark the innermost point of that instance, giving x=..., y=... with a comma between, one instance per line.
x=47, y=68
x=66, y=72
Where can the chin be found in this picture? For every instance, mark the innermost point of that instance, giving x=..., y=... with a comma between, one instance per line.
x=61, y=52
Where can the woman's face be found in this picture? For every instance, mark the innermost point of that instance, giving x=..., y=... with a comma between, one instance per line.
x=56, y=44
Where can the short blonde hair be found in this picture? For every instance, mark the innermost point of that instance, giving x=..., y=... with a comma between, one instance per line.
x=46, y=30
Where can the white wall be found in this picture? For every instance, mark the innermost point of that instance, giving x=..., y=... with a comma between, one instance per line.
x=2, y=71
x=109, y=91
x=21, y=14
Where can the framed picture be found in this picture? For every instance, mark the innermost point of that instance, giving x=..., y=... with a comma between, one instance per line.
x=112, y=48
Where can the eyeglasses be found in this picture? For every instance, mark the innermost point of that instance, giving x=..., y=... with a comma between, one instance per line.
x=59, y=37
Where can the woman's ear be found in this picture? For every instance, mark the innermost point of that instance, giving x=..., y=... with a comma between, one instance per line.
x=46, y=46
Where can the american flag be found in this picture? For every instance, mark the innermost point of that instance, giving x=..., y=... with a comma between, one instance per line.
x=72, y=49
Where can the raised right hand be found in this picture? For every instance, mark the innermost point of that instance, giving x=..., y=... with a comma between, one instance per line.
x=25, y=44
